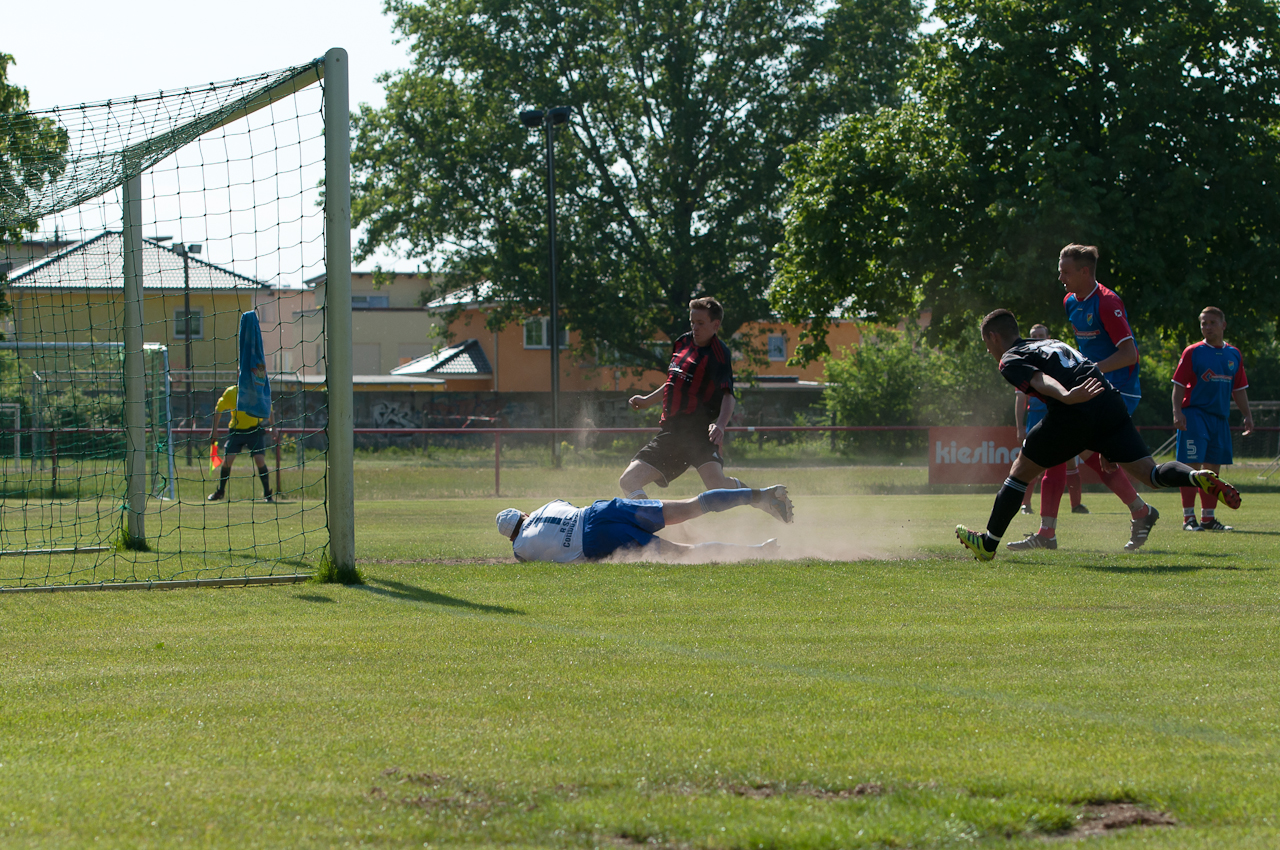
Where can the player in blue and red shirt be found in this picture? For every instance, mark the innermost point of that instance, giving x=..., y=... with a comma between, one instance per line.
x=697, y=401
x=1101, y=325
x=1209, y=375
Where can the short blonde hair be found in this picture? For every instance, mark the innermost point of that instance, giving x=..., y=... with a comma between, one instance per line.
x=1214, y=311
x=1081, y=255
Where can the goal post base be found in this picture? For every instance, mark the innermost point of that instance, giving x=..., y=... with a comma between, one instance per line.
x=242, y=581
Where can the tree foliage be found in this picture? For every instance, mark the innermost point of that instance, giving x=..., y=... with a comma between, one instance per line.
x=1150, y=130
x=669, y=178
x=32, y=151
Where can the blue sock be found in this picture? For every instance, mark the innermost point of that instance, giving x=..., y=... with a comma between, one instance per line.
x=722, y=500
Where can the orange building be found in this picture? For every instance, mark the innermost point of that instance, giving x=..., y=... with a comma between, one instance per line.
x=518, y=357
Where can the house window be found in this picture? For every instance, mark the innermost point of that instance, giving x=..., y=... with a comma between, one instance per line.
x=188, y=325
x=370, y=302
x=777, y=347
x=537, y=332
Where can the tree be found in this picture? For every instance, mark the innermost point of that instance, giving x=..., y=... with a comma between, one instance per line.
x=32, y=152
x=669, y=179
x=1152, y=132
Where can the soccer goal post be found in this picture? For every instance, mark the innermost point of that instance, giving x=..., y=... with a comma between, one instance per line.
x=158, y=253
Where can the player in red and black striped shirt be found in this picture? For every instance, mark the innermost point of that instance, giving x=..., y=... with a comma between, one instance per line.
x=697, y=401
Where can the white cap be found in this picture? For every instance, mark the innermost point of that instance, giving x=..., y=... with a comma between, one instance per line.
x=507, y=521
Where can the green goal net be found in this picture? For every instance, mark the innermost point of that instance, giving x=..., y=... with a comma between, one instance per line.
x=136, y=234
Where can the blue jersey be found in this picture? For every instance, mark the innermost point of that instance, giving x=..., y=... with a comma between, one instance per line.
x=1036, y=409
x=1101, y=324
x=1209, y=376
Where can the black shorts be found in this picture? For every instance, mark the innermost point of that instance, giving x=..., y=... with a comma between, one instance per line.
x=675, y=449
x=252, y=439
x=1101, y=424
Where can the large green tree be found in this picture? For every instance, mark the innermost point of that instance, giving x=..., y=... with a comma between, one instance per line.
x=32, y=152
x=669, y=174
x=1149, y=129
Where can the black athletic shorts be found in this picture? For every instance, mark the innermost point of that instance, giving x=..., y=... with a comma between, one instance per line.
x=252, y=439
x=675, y=449
x=1101, y=424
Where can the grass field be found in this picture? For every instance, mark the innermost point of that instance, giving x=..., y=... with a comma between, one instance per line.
x=880, y=690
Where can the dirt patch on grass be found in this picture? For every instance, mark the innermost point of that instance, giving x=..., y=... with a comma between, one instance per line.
x=1104, y=818
x=430, y=791
x=766, y=790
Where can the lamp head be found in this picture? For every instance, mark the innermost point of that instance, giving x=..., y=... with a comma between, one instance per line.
x=531, y=117
x=559, y=114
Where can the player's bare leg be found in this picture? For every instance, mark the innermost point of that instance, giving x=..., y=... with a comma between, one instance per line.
x=636, y=477
x=713, y=477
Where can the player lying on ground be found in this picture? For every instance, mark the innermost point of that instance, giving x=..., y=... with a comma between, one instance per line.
x=1083, y=412
x=558, y=531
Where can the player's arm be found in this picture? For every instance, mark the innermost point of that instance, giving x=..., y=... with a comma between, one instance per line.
x=1179, y=418
x=715, y=431
x=1241, y=398
x=641, y=402
x=1126, y=355
x=213, y=430
x=1020, y=413
x=1050, y=388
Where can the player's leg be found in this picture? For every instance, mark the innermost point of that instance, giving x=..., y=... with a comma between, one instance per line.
x=772, y=500
x=1175, y=474
x=1052, y=484
x=230, y=448
x=1074, y=488
x=264, y=474
x=1217, y=453
x=1190, y=450
x=1117, y=482
x=636, y=477
x=713, y=477
x=983, y=545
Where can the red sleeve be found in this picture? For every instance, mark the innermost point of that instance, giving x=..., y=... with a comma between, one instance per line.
x=1183, y=376
x=1111, y=314
x=1241, y=381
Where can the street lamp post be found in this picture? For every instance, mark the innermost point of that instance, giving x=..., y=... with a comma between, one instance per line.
x=185, y=251
x=549, y=118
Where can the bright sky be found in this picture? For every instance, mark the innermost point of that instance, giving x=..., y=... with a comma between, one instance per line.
x=75, y=51
x=78, y=51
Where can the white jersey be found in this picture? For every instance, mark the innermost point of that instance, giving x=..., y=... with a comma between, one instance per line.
x=551, y=533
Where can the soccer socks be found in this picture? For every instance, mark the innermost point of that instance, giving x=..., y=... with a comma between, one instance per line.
x=222, y=478
x=637, y=494
x=264, y=475
x=714, y=501
x=1008, y=500
x=1051, y=487
x=738, y=481
x=1208, y=502
x=1188, y=501
x=1172, y=474
x=1117, y=482
x=1073, y=486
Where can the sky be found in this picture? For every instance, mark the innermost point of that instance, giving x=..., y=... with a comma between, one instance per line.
x=75, y=51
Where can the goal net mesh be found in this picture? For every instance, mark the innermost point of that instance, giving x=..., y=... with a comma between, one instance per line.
x=232, y=221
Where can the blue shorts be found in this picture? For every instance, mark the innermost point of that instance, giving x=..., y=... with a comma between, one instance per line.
x=1034, y=415
x=613, y=524
x=1207, y=438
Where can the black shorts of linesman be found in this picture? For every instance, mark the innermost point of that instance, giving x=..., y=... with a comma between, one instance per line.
x=1083, y=412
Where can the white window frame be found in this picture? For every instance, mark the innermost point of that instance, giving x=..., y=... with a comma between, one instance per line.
x=362, y=302
x=197, y=313
x=544, y=325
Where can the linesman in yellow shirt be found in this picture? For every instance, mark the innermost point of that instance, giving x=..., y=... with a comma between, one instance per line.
x=246, y=432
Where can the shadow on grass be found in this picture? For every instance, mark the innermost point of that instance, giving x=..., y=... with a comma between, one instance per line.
x=409, y=593
x=1159, y=569
x=312, y=597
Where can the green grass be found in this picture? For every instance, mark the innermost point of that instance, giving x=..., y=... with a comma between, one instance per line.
x=462, y=699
